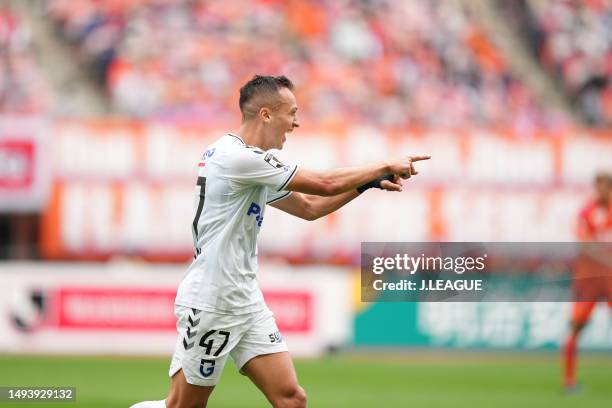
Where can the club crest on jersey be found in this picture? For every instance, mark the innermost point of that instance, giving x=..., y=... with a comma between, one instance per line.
x=207, y=371
x=255, y=210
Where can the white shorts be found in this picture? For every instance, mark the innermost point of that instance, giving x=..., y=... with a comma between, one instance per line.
x=205, y=339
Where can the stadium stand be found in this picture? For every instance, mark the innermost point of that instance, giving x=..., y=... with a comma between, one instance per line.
x=420, y=62
x=22, y=86
x=573, y=41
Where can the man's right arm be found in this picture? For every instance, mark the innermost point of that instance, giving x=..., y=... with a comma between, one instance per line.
x=338, y=181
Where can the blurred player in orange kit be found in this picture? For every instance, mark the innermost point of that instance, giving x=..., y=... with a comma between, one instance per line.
x=593, y=270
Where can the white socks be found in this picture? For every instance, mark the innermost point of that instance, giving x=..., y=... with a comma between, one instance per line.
x=150, y=404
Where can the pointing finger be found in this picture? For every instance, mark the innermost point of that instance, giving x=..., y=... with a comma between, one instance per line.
x=419, y=158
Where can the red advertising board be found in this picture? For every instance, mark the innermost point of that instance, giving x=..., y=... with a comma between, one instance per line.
x=293, y=310
x=115, y=308
x=129, y=308
x=16, y=164
x=24, y=174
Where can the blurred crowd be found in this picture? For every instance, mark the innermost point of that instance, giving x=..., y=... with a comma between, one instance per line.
x=383, y=62
x=573, y=41
x=22, y=85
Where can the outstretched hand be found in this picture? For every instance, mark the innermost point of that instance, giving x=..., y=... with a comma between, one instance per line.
x=398, y=170
x=392, y=185
x=401, y=169
x=405, y=166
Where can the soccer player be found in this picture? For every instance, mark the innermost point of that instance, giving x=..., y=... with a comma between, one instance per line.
x=593, y=271
x=219, y=307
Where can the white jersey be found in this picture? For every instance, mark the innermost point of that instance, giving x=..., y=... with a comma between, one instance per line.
x=235, y=182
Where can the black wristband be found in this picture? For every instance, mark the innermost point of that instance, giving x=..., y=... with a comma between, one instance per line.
x=375, y=183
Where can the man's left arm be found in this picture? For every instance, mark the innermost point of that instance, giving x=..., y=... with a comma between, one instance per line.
x=310, y=207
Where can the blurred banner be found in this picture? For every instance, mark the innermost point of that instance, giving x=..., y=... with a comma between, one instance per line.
x=24, y=170
x=127, y=308
x=126, y=188
x=500, y=325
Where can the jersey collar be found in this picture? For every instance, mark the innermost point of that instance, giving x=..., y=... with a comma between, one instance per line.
x=237, y=137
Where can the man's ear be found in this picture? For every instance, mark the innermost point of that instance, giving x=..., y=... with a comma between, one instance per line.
x=265, y=114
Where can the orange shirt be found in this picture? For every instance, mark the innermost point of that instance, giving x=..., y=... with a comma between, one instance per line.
x=595, y=223
x=592, y=277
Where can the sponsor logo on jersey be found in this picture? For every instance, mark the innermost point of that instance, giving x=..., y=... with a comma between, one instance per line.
x=255, y=210
x=273, y=161
x=209, y=153
x=275, y=337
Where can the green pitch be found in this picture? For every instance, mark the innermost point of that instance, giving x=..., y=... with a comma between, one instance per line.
x=407, y=379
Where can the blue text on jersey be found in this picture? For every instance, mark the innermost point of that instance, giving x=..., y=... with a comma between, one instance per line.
x=255, y=210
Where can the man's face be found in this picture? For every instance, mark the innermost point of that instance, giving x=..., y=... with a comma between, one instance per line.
x=283, y=119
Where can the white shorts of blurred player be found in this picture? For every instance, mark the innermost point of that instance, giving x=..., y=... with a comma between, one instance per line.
x=206, y=339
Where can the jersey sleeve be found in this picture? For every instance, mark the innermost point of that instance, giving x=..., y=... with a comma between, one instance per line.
x=254, y=166
x=274, y=196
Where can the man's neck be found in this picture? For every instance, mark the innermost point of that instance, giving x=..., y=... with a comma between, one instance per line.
x=251, y=134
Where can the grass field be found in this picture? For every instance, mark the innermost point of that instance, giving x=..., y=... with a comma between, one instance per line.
x=386, y=380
